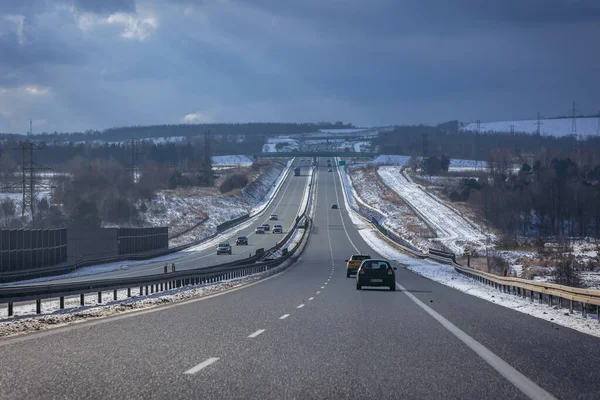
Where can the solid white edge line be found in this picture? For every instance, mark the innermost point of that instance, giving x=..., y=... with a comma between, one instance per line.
x=255, y=334
x=201, y=366
x=520, y=381
x=300, y=306
x=284, y=316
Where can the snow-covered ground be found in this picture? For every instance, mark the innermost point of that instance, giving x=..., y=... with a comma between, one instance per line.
x=455, y=164
x=185, y=207
x=289, y=144
x=399, y=217
x=446, y=275
x=452, y=229
x=549, y=127
x=237, y=160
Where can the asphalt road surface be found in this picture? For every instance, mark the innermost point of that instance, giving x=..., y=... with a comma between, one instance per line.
x=307, y=333
x=286, y=205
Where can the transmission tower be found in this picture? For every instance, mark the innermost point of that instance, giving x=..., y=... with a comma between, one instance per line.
x=478, y=126
x=512, y=129
x=574, y=121
x=207, y=173
x=29, y=183
x=538, y=130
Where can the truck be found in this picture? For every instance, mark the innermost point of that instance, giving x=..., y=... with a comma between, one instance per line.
x=297, y=171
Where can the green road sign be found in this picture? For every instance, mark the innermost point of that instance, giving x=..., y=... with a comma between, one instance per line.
x=342, y=163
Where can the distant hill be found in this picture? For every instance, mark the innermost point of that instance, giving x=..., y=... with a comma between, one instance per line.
x=184, y=130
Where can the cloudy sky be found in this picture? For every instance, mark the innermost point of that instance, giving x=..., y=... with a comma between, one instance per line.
x=72, y=65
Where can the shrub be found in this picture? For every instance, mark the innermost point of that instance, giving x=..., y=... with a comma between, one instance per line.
x=233, y=181
x=566, y=273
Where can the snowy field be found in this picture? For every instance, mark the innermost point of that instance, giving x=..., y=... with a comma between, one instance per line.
x=446, y=275
x=271, y=145
x=237, y=160
x=549, y=127
x=455, y=164
x=452, y=230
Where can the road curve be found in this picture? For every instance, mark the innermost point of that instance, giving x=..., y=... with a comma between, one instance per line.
x=307, y=333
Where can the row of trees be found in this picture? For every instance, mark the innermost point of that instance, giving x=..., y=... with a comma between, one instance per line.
x=186, y=130
x=446, y=139
x=553, y=195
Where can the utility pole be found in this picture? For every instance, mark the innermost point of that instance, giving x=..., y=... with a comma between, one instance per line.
x=207, y=173
x=574, y=121
x=134, y=144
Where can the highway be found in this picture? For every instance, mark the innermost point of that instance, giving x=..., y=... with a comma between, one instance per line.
x=286, y=204
x=308, y=334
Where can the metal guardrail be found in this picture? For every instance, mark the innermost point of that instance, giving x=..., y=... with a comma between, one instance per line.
x=161, y=282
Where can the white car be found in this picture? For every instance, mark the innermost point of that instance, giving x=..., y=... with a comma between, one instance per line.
x=273, y=217
x=277, y=228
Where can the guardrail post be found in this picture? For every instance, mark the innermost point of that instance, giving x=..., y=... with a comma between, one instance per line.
x=128, y=292
x=10, y=309
x=61, y=302
x=550, y=300
x=583, y=310
x=541, y=298
x=82, y=299
x=99, y=297
x=141, y=290
x=560, y=302
x=571, y=306
x=38, y=306
x=598, y=312
x=115, y=295
x=151, y=288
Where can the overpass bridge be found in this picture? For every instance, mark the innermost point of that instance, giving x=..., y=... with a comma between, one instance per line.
x=289, y=154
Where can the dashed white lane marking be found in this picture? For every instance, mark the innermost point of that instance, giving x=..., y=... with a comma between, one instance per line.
x=322, y=287
x=318, y=291
x=201, y=366
x=300, y=306
x=255, y=334
x=325, y=283
x=284, y=316
x=310, y=298
x=520, y=381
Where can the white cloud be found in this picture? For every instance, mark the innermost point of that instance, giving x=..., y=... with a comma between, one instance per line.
x=36, y=90
x=134, y=26
x=17, y=26
x=197, y=118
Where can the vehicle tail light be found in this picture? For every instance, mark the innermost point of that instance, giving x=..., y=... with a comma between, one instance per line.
x=390, y=272
x=362, y=271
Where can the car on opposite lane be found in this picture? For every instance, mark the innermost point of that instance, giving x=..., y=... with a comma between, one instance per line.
x=241, y=241
x=354, y=262
x=224, y=248
x=375, y=272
